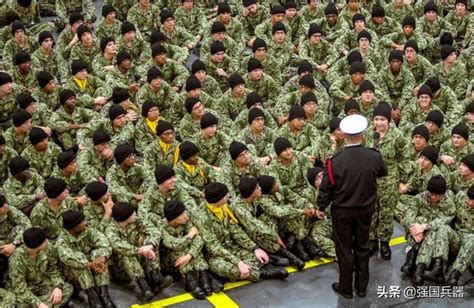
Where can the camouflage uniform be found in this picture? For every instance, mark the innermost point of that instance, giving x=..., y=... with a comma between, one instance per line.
x=75, y=253
x=448, y=149
x=124, y=185
x=92, y=164
x=398, y=13
x=11, y=48
x=122, y=7
x=32, y=280
x=348, y=41
x=79, y=51
x=397, y=87
x=164, y=97
x=42, y=162
x=251, y=21
x=388, y=26
x=53, y=64
x=43, y=216
x=456, y=78
x=421, y=69
x=196, y=176
x=12, y=226
x=21, y=195
x=145, y=21
x=266, y=87
x=413, y=115
x=30, y=17
x=332, y=33
x=174, y=73
x=135, y=49
x=66, y=7
x=241, y=121
x=303, y=141
x=212, y=150
x=94, y=212
x=231, y=173
x=5, y=158
x=260, y=145
x=190, y=20
x=155, y=155
x=105, y=30
x=85, y=98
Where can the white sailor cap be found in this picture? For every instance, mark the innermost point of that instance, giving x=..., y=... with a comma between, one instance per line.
x=353, y=124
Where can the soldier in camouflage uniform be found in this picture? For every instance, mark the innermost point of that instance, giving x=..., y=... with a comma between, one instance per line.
x=29, y=13
x=316, y=50
x=269, y=63
x=14, y=223
x=398, y=39
x=184, y=248
x=127, y=178
x=146, y=127
x=189, y=16
x=258, y=81
x=84, y=252
x=453, y=150
x=19, y=42
x=233, y=26
x=445, y=98
x=48, y=91
x=109, y=25
x=98, y=209
x=45, y=58
x=16, y=135
x=332, y=24
x=34, y=273
x=167, y=187
x=219, y=33
x=145, y=16
x=164, y=150
x=24, y=187
x=174, y=34
x=41, y=153
x=135, y=244
x=87, y=47
x=398, y=9
x=419, y=66
x=328, y=145
x=96, y=161
x=22, y=73
x=68, y=171
x=47, y=213
x=132, y=41
x=427, y=213
x=65, y=7
x=349, y=39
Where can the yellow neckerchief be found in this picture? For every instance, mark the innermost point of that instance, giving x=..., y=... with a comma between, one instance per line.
x=152, y=124
x=166, y=147
x=221, y=211
x=81, y=83
x=192, y=170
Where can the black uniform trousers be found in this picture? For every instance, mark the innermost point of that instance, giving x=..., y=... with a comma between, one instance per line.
x=351, y=228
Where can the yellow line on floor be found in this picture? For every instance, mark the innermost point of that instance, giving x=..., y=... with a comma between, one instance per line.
x=222, y=300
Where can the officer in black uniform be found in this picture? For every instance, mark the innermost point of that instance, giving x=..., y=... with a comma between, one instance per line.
x=349, y=183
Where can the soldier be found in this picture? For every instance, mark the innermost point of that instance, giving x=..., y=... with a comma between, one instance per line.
x=233, y=26
x=398, y=39
x=109, y=25
x=84, y=252
x=208, y=83
x=70, y=121
x=398, y=9
x=188, y=16
x=97, y=160
x=252, y=100
x=119, y=126
x=234, y=98
x=144, y=15
x=193, y=170
x=40, y=114
x=24, y=188
x=67, y=171
x=349, y=39
x=211, y=142
x=86, y=86
x=269, y=63
x=41, y=154
x=419, y=66
x=453, y=150
x=47, y=213
x=135, y=246
x=45, y=58
x=167, y=187
x=87, y=47
x=230, y=251
x=22, y=74
x=131, y=42
x=332, y=25
x=165, y=150
x=184, y=245
x=219, y=64
x=103, y=64
x=175, y=34
x=381, y=24
x=427, y=213
x=68, y=37
x=251, y=16
x=258, y=136
x=48, y=91
x=316, y=50
x=122, y=8
x=14, y=223
x=16, y=135
x=42, y=286
x=19, y=42
x=65, y=7
x=446, y=100
x=264, y=29
x=434, y=122
x=146, y=127
x=6, y=154
x=98, y=210
x=329, y=145
x=258, y=81
x=124, y=75
x=219, y=33
x=127, y=178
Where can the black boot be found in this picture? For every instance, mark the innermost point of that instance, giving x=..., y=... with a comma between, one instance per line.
x=147, y=294
x=436, y=274
x=94, y=299
x=409, y=265
x=294, y=260
x=418, y=277
x=193, y=287
x=105, y=297
x=289, y=241
x=452, y=279
x=271, y=272
x=279, y=261
x=374, y=247
x=160, y=282
x=205, y=283
x=217, y=283
x=385, y=251
x=312, y=248
x=300, y=252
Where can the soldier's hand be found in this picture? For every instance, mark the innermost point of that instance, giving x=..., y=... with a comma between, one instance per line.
x=245, y=12
x=138, y=197
x=418, y=238
x=109, y=67
x=8, y=249
x=42, y=305
x=250, y=42
x=56, y=296
x=309, y=212
x=280, y=243
x=447, y=160
x=108, y=153
x=131, y=116
x=107, y=205
x=261, y=256
x=221, y=72
x=312, y=159
x=320, y=215
x=175, y=89
x=265, y=160
x=193, y=232
x=39, y=197
x=80, y=201
x=74, y=40
x=101, y=100
x=244, y=270
x=282, y=119
x=396, y=114
x=134, y=87
x=183, y=261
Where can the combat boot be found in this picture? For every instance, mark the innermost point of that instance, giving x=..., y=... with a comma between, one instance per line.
x=159, y=281
x=436, y=274
x=147, y=294
x=93, y=297
x=294, y=260
x=193, y=287
x=105, y=297
x=374, y=247
x=300, y=252
x=312, y=248
x=217, y=283
x=205, y=283
x=385, y=251
x=418, y=277
x=278, y=261
x=409, y=265
x=452, y=279
x=271, y=272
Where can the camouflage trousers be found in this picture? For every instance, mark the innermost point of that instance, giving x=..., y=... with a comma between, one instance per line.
x=7, y=299
x=382, y=218
x=225, y=268
x=429, y=249
x=135, y=267
x=86, y=277
x=321, y=233
x=401, y=209
x=43, y=292
x=197, y=263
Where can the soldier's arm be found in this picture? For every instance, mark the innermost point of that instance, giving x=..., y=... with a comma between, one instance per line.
x=116, y=187
x=175, y=243
x=61, y=10
x=15, y=199
x=70, y=257
x=446, y=216
x=21, y=222
x=120, y=246
x=17, y=274
x=279, y=210
x=241, y=237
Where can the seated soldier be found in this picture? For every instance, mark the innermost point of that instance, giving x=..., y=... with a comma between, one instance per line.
x=109, y=25
x=84, y=252
x=95, y=161
x=41, y=153
x=98, y=209
x=165, y=150
x=253, y=100
x=453, y=150
x=67, y=170
x=135, y=245
x=16, y=135
x=42, y=286
x=146, y=127
x=22, y=73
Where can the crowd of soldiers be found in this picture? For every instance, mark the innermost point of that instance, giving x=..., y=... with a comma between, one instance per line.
x=189, y=139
